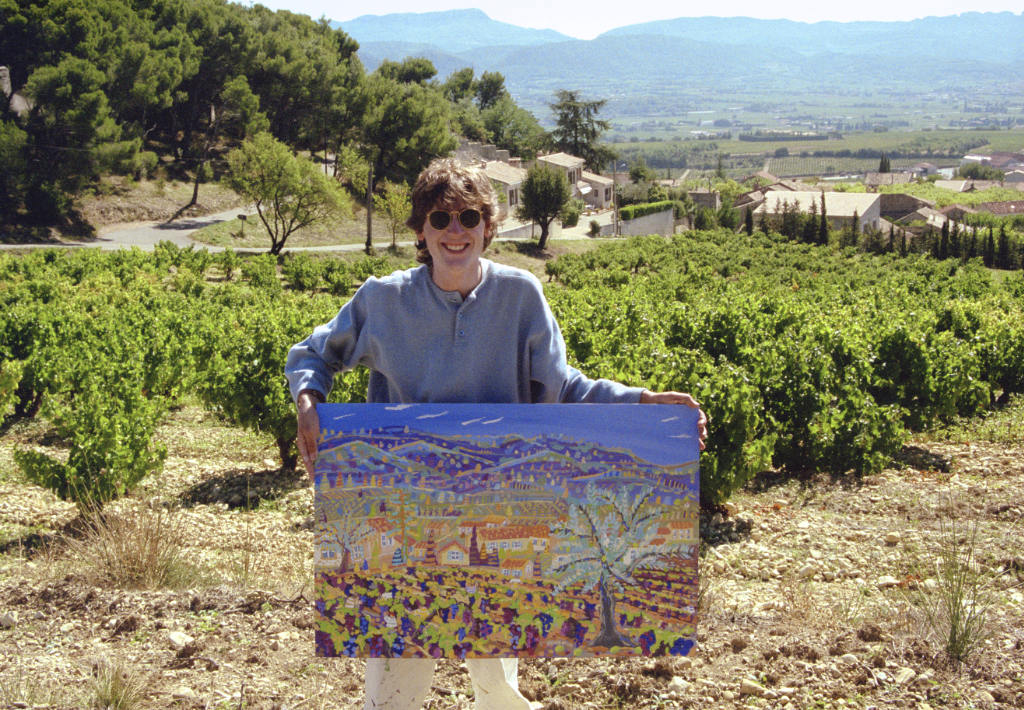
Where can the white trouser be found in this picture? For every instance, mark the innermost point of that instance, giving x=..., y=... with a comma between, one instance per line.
x=403, y=683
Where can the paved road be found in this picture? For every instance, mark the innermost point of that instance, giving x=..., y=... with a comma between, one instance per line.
x=146, y=235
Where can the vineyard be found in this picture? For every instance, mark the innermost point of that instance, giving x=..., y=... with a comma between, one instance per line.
x=803, y=356
x=800, y=166
x=131, y=371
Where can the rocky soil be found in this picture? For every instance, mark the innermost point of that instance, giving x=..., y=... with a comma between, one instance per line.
x=813, y=592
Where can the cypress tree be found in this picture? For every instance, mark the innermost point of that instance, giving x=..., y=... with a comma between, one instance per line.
x=989, y=256
x=1003, y=257
x=972, y=251
x=748, y=222
x=892, y=238
x=884, y=166
x=954, y=240
x=944, y=241
x=903, y=242
x=763, y=223
x=823, y=224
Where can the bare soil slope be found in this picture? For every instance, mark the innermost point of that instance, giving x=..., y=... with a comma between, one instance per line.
x=809, y=591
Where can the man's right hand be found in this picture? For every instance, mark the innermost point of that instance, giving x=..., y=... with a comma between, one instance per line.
x=309, y=428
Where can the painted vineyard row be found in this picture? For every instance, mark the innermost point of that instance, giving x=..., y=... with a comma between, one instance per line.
x=459, y=614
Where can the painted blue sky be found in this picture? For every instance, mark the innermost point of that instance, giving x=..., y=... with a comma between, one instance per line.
x=660, y=434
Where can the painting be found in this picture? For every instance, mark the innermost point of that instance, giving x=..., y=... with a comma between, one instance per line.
x=490, y=531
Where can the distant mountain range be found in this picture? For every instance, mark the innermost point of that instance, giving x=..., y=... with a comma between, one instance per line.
x=690, y=56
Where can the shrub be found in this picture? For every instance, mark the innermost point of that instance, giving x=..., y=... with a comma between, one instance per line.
x=228, y=262
x=571, y=213
x=302, y=272
x=337, y=278
x=595, y=228
x=261, y=272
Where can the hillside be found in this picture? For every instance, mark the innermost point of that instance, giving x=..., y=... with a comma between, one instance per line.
x=980, y=50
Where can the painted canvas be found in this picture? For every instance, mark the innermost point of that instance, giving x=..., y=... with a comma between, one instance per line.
x=467, y=530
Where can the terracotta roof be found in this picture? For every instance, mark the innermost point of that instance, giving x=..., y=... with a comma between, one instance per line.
x=513, y=532
x=450, y=545
x=512, y=563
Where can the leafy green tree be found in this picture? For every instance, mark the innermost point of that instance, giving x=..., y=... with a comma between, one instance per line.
x=578, y=128
x=13, y=170
x=405, y=127
x=489, y=89
x=468, y=121
x=459, y=85
x=640, y=172
x=545, y=193
x=235, y=112
x=289, y=192
x=980, y=171
x=411, y=70
x=394, y=203
x=513, y=128
x=71, y=134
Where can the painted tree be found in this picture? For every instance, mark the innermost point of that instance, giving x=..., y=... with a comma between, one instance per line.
x=343, y=529
x=611, y=525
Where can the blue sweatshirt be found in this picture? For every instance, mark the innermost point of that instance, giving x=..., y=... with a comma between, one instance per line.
x=422, y=344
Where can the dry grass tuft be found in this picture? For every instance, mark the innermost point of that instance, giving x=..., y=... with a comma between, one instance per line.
x=140, y=546
x=953, y=595
x=117, y=687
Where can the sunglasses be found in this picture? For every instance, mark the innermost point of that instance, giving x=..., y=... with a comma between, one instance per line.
x=440, y=219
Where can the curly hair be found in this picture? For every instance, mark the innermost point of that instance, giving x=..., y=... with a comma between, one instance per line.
x=447, y=184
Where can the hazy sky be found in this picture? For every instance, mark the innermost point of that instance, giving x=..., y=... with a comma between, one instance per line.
x=587, y=20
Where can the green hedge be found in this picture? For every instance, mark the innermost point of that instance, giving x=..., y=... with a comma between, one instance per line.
x=635, y=211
